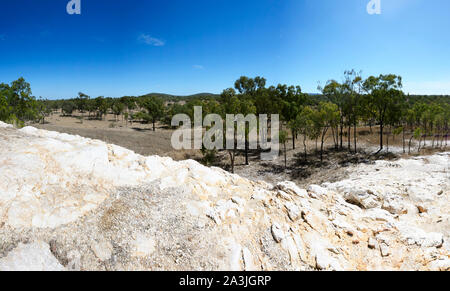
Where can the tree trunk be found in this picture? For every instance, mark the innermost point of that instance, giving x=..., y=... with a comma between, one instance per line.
x=337, y=137
x=409, y=145
x=232, y=156
x=387, y=141
x=420, y=142
x=304, y=146
x=425, y=137
x=246, y=151
x=349, y=138
x=321, y=145
x=381, y=137
x=293, y=140
x=334, y=138
x=403, y=138
x=154, y=127
x=285, y=157
x=355, y=135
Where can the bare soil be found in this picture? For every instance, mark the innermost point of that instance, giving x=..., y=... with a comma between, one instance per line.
x=137, y=137
x=143, y=140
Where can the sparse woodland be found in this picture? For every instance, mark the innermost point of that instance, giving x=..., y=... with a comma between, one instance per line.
x=343, y=107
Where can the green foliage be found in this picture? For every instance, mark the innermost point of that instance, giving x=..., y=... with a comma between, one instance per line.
x=283, y=137
x=155, y=109
x=385, y=99
x=5, y=109
x=373, y=101
x=209, y=156
x=43, y=109
x=418, y=133
x=68, y=107
x=101, y=106
x=17, y=105
x=117, y=108
x=82, y=102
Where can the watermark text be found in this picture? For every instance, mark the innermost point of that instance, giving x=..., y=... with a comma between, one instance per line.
x=374, y=7
x=74, y=7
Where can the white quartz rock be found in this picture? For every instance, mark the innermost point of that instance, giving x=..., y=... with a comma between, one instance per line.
x=316, y=191
x=5, y=125
x=413, y=235
x=31, y=257
x=292, y=188
x=277, y=232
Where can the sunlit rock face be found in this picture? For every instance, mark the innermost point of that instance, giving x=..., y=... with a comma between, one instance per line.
x=49, y=178
x=71, y=203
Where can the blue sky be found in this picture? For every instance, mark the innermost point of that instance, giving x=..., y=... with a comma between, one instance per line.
x=133, y=47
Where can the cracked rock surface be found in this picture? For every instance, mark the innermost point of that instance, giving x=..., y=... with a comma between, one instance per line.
x=71, y=203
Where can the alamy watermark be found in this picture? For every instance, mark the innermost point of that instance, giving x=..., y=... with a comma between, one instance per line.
x=74, y=7
x=241, y=132
x=374, y=7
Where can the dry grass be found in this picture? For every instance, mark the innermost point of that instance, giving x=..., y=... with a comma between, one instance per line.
x=141, y=139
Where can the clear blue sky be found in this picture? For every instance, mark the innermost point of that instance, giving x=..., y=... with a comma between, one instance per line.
x=132, y=47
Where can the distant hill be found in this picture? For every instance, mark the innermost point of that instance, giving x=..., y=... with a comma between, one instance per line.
x=169, y=97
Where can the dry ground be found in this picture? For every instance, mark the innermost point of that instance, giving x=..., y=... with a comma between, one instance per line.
x=141, y=139
x=135, y=136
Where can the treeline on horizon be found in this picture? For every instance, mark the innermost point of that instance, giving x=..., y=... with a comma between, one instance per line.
x=337, y=111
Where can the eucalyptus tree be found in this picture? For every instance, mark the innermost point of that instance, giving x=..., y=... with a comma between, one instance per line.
x=303, y=124
x=155, y=109
x=231, y=105
x=427, y=120
x=352, y=103
x=91, y=106
x=283, y=135
x=335, y=93
x=246, y=107
x=384, y=98
x=210, y=106
x=5, y=109
x=250, y=89
x=102, y=107
x=17, y=105
x=82, y=103
x=325, y=117
x=43, y=109
x=129, y=102
x=68, y=107
x=20, y=100
x=117, y=108
x=292, y=101
x=249, y=86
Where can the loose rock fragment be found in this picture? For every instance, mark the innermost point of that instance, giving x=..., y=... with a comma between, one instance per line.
x=294, y=211
x=103, y=207
x=384, y=249
x=31, y=257
x=103, y=250
x=422, y=209
x=372, y=244
x=317, y=192
x=277, y=233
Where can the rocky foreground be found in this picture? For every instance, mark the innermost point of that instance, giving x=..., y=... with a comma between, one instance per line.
x=71, y=203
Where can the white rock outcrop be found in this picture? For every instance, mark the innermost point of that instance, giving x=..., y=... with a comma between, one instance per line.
x=71, y=203
x=31, y=257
